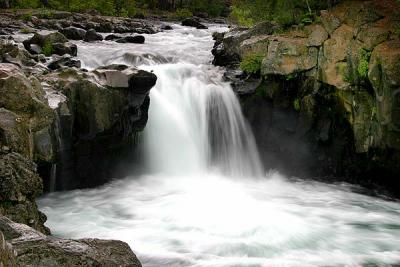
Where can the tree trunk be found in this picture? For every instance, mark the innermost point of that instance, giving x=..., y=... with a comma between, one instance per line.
x=4, y=4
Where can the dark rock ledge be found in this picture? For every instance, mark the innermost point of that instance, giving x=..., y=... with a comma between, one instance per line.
x=61, y=127
x=22, y=245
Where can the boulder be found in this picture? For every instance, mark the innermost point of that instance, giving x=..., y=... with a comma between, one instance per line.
x=138, y=39
x=52, y=43
x=42, y=40
x=64, y=61
x=73, y=33
x=11, y=53
x=92, y=36
x=193, y=22
x=20, y=185
x=166, y=27
x=235, y=43
x=112, y=37
x=33, y=248
x=65, y=48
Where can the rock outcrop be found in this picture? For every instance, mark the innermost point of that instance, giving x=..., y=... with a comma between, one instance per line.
x=25, y=247
x=99, y=121
x=52, y=43
x=61, y=128
x=331, y=88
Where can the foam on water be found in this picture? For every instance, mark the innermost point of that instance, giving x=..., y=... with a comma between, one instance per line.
x=203, y=200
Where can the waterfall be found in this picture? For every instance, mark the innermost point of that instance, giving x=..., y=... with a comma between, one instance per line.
x=196, y=204
x=196, y=125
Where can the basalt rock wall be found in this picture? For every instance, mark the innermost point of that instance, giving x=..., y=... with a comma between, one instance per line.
x=328, y=94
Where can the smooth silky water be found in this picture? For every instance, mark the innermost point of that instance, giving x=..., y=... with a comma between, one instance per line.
x=204, y=200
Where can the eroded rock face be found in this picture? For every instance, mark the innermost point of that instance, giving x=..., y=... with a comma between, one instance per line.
x=32, y=248
x=287, y=56
x=7, y=253
x=19, y=186
x=341, y=78
x=104, y=111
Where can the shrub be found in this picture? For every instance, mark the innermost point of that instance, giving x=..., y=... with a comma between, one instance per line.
x=296, y=104
x=26, y=17
x=183, y=13
x=251, y=63
x=242, y=16
x=47, y=49
x=365, y=56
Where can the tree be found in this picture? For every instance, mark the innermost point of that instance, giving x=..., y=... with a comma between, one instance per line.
x=4, y=4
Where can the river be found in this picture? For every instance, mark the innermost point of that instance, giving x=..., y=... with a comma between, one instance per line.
x=203, y=198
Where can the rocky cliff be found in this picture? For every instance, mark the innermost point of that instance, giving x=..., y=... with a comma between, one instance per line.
x=61, y=127
x=325, y=97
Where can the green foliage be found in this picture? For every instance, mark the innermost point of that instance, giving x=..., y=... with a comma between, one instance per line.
x=26, y=17
x=128, y=8
x=242, y=16
x=365, y=56
x=26, y=30
x=285, y=12
x=26, y=3
x=296, y=104
x=261, y=91
x=182, y=13
x=46, y=14
x=251, y=63
x=47, y=49
x=307, y=19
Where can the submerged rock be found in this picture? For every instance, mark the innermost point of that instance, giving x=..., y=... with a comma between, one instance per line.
x=63, y=61
x=113, y=37
x=193, y=22
x=73, y=33
x=35, y=249
x=138, y=39
x=65, y=48
x=92, y=35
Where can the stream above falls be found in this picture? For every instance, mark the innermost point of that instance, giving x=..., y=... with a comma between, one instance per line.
x=203, y=198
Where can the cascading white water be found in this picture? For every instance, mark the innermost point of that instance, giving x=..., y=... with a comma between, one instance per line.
x=202, y=201
x=196, y=124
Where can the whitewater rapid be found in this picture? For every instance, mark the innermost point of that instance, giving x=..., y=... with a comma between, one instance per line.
x=203, y=199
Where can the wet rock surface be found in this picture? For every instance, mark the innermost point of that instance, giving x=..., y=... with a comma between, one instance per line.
x=60, y=121
x=329, y=90
x=32, y=248
x=193, y=22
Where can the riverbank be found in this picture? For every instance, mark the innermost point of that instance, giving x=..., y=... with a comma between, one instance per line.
x=323, y=98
